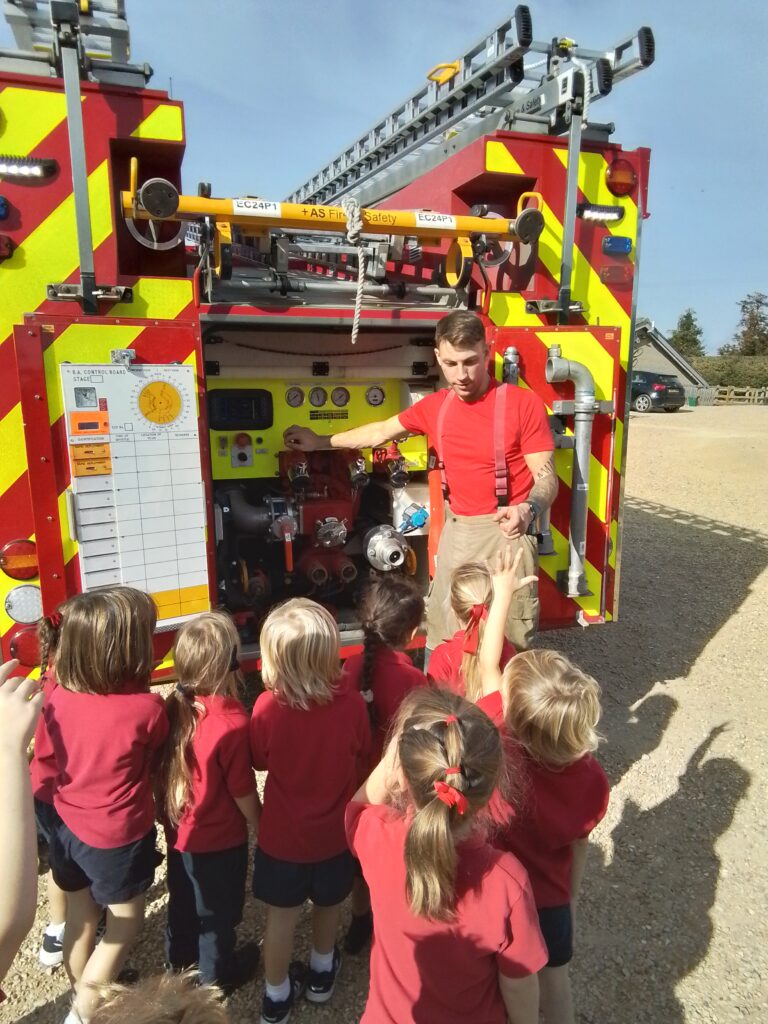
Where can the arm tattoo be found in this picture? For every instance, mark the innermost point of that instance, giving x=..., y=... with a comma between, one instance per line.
x=544, y=490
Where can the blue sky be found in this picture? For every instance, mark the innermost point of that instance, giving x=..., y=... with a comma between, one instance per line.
x=273, y=90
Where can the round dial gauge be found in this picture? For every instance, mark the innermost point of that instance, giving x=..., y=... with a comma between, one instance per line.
x=294, y=397
x=339, y=396
x=318, y=396
x=159, y=402
x=374, y=395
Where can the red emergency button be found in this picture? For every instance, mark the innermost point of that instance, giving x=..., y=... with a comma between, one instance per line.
x=242, y=440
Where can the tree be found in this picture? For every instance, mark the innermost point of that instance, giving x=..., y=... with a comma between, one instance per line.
x=751, y=337
x=686, y=337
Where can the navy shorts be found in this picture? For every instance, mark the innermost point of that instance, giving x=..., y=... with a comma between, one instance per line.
x=47, y=820
x=557, y=929
x=283, y=883
x=113, y=876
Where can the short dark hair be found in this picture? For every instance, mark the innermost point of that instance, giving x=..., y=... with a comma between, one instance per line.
x=460, y=329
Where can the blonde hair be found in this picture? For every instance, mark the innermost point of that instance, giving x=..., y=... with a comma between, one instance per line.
x=442, y=739
x=299, y=644
x=471, y=585
x=164, y=999
x=102, y=640
x=551, y=707
x=205, y=655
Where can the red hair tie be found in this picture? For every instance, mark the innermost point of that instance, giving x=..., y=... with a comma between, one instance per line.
x=478, y=614
x=54, y=621
x=453, y=771
x=451, y=796
x=450, y=718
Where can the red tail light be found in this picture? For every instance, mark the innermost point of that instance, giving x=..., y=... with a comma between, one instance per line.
x=658, y=387
x=24, y=646
x=18, y=559
x=620, y=177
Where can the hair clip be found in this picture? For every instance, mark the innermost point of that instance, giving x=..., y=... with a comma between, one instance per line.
x=451, y=796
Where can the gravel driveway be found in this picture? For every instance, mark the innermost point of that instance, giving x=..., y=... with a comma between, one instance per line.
x=672, y=921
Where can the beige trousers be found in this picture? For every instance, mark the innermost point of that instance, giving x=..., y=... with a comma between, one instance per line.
x=477, y=539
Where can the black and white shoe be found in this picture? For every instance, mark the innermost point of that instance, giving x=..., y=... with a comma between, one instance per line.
x=51, y=952
x=279, y=1011
x=321, y=984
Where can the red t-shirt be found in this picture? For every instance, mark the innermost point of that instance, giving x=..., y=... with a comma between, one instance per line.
x=394, y=676
x=468, y=444
x=423, y=970
x=444, y=667
x=105, y=749
x=42, y=767
x=316, y=759
x=221, y=772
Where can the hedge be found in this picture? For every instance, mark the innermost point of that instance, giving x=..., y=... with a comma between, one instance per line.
x=737, y=371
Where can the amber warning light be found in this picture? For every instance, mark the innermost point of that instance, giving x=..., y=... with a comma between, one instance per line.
x=620, y=178
x=18, y=559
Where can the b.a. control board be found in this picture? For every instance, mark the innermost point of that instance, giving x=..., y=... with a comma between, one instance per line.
x=247, y=418
x=137, y=490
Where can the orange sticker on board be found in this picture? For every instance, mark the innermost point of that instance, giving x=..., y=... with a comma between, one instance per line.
x=79, y=452
x=97, y=467
x=91, y=422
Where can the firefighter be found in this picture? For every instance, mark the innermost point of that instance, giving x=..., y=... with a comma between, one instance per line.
x=495, y=453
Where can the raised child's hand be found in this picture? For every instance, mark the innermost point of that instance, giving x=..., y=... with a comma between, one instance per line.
x=21, y=701
x=504, y=573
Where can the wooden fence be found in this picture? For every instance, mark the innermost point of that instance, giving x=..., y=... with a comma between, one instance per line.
x=726, y=395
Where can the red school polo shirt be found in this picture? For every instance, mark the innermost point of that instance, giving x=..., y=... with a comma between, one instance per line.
x=316, y=759
x=444, y=667
x=394, y=676
x=42, y=767
x=468, y=444
x=221, y=772
x=423, y=970
x=105, y=749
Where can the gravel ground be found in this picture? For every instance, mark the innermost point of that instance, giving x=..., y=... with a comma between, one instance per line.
x=672, y=923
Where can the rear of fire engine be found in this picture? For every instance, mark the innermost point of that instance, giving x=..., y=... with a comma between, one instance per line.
x=155, y=345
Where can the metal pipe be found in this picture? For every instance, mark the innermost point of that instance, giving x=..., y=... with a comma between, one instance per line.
x=248, y=518
x=571, y=199
x=585, y=406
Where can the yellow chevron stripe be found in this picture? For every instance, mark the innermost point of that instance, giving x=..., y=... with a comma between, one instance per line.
x=81, y=343
x=161, y=298
x=552, y=564
x=592, y=167
x=584, y=347
x=28, y=116
x=500, y=160
x=614, y=541
x=50, y=252
x=68, y=546
x=14, y=454
x=163, y=123
x=507, y=309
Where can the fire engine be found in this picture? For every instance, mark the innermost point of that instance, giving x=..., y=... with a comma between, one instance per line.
x=155, y=345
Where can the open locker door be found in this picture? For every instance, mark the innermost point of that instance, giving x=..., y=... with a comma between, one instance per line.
x=521, y=355
x=118, y=462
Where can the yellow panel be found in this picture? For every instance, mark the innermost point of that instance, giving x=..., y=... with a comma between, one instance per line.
x=68, y=546
x=81, y=343
x=499, y=159
x=49, y=253
x=168, y=611
x=584, y=348
x=507, y=309
x=163, y=123
x=165, y=597
x=614, y=543
x=28, y=116
x=165, y=664
x=199, y=593
x=265, y=452
x=592, y=168
x=160, y=298
x=14, y=453
x=552, y=564
x=193, y=607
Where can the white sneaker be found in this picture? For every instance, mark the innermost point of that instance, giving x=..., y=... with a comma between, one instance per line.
x=52, y=950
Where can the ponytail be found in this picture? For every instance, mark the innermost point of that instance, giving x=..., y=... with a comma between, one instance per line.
x=372, y=645
x=451, y=757
x=471, y=596
x=175, y=779
x=48, y=630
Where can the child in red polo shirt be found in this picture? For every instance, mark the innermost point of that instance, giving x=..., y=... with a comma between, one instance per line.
x=312, y=736
x=391, y=610
x=106, y=729
x=456, y=937
x=454, y=663
x=207, y=792
x=549, y=710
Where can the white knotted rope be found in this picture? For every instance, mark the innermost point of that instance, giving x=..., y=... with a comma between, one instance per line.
x=351, y=208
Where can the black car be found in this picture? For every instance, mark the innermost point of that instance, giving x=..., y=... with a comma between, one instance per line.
x=656, y=391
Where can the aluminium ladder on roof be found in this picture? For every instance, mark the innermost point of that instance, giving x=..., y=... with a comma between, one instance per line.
x=492, y=88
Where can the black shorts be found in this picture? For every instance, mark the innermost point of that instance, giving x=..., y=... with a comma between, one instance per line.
x=47, y=820
x=113, y=876
x=283, y=883
x=557, y=928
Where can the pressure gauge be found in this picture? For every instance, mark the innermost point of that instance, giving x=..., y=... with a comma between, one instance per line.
x=339, y=396
x=374, y=395
x=294, y=397
x=318, y=396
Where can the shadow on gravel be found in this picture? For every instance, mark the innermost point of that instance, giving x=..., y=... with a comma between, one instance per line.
x=682, y=578
x=660, y=887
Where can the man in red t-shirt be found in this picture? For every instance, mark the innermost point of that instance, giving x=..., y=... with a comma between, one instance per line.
x=464, y=436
